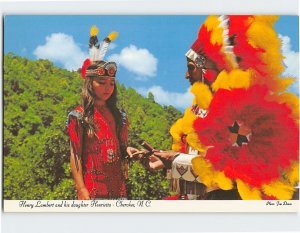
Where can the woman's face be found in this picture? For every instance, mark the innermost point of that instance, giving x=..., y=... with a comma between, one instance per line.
x=103, y=87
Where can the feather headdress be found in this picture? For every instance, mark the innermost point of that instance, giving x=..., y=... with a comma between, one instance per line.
x=95, y=64
x=249, y=131
x=235, y=42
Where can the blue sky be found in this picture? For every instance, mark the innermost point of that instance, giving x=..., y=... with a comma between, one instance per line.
x=149, y=49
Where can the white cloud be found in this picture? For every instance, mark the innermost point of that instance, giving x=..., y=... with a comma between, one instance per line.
x=291, y=62
x=163, y=97
x=138, y=61
x=61, y=48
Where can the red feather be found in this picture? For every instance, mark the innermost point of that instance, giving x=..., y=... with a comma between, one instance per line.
x=176, y=197
x=210, y=75
x=249, y=57
x=273, y=142
x=85, y=65
x=213, y=51
x=265, y=197
x=183, y=143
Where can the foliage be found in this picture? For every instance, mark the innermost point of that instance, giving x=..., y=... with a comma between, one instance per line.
x=144, y=184
x=37, y=97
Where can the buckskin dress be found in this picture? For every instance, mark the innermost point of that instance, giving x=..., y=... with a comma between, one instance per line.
x=101, y=155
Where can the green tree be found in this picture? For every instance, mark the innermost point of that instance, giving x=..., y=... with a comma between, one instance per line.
x=151, y=97
x=37, y=97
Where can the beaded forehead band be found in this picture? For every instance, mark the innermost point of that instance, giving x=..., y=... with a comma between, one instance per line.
x=107, y=69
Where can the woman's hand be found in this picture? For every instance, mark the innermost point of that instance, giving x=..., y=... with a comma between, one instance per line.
x=130, y=151
x=135, y=153
x=83, y=194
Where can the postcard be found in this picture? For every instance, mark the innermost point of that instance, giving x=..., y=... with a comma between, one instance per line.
x=151, y=113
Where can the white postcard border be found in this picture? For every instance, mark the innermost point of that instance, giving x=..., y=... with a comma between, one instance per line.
x=166, y=206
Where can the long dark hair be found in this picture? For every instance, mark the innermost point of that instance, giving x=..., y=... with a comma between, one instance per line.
x=88, y=99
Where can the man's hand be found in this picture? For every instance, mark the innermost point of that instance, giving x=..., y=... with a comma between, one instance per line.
x=161, y=159
x=158, y=160
x=166, y=155
x=155, y=163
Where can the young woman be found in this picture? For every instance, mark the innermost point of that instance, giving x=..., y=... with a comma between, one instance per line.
x=98, y=131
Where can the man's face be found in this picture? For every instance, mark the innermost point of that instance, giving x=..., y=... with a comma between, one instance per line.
x=193, y=73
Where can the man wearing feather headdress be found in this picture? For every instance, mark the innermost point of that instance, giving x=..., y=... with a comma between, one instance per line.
x=240, y=137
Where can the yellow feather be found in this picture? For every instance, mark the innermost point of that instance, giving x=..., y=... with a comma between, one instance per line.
x=193, y=140
x=94, y=30
x=246, y=192
x=270, y=42
x=202, y=94
x=194, y=101
x=187, y=121
x=271, y=57
x=237, y=78
x=212, y=23
x=176, y=146
x=223, y=182
x=293, y=102
x=176, y=132
x=210, y=177
x=282, y=83
x=113, y=35
x=279, y=189
x=221, y=81
x=293, y=173
x=203, y=170
x=217, y=36
x=185, y=126
x=270, y=20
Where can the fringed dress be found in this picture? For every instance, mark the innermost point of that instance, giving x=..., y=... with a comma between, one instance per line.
x=100, y=154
